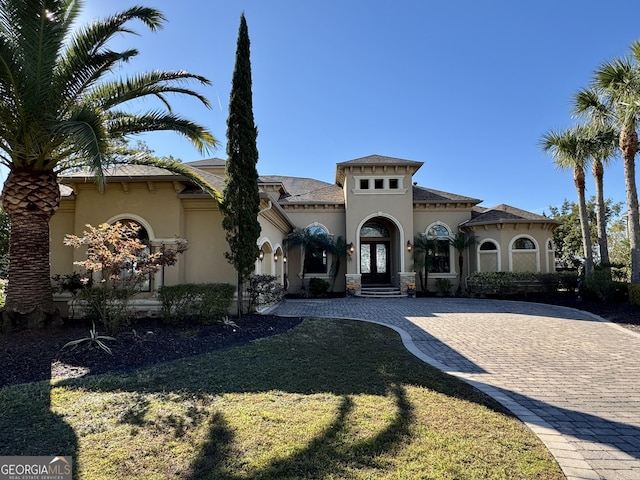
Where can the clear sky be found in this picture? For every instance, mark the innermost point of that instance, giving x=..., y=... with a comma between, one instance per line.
x=467, y=87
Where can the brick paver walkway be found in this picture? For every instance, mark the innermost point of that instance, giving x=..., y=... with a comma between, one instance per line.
x=571, y=377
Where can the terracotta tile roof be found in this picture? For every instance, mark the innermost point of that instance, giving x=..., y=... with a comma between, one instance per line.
x=506, y=214
x=429, y=195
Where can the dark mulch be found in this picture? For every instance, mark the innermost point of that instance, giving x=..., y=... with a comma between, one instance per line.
x=38, y=355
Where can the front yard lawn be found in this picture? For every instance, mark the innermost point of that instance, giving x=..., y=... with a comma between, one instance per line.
x=332, y=399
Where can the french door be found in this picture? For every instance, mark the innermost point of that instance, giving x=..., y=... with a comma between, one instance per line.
x=374, y=262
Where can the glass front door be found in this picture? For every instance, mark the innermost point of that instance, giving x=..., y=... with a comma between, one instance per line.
x=374, y=262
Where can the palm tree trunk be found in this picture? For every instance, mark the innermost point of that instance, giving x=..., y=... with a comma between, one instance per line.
x=30, y=200
x=629, y=147
x=460, y=265
x=601, y=220
x=578, y=177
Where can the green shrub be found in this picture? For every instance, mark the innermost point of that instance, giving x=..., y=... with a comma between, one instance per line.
x=318, y=287
x=568, y=281
x=443, y=286
x=107, y=306
x=206, y=303
x=264, y=290
x=503, y=283
x=634, y=294
x=550, y=282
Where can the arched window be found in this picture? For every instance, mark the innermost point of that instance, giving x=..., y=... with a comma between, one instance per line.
x=488, y=257
x=374, y=229
x=438, y=255
x=130, y=274
x=524, y=244
x=316, y=260
x=524, y=255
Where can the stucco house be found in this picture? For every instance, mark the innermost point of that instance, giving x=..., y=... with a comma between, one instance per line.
x=374, y=205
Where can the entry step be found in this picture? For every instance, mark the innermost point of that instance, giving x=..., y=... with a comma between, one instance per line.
x=381, y=292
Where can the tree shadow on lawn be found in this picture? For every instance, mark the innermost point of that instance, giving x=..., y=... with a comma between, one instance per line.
x=28, y=427
x=341, y=358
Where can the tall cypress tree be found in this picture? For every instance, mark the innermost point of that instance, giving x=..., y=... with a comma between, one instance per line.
x=241, y=203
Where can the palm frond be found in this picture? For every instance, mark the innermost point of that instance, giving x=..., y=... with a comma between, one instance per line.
x=180, y=168
x=85, y=132
x=121, y=124
x=156, y=83
x=86, y=58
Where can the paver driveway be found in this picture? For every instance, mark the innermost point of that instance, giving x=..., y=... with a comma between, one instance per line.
x=573, y=378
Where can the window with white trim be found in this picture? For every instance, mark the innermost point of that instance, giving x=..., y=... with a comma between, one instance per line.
x=316, y=257
x=524, y=255
x=439, y=256
x=488, y=257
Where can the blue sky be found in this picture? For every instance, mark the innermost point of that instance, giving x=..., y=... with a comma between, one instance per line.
x=466, y=87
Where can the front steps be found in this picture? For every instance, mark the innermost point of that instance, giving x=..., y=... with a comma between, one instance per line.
x=380, y=292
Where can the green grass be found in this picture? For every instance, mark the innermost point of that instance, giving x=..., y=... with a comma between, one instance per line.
x=330, y=400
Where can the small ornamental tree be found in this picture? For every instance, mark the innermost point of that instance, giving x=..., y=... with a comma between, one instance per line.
x=241, y=203
x=121, y=261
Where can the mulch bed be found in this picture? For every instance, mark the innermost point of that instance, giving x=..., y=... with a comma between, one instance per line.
x=29, y=356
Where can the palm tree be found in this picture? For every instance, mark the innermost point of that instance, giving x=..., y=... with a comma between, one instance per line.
x=423, y=248
x=312, y=244
x=59, y=110
x=618, y=81
x=588, y=102
x=338, y=249
x=461, y=242
x=570, y=150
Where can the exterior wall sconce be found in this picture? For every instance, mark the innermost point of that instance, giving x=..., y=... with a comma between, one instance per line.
x=350, y=248
x=275, y=257
x=284, y=259
x=261, y=255
x=409, y=246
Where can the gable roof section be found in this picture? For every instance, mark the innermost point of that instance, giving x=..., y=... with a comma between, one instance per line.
x=504, y=214
x=302, y=191
x=375, y=161
x=207, y=162
x=428, y=195
x=147, y=173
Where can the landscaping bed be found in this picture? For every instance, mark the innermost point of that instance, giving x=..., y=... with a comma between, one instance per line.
x=38, y=355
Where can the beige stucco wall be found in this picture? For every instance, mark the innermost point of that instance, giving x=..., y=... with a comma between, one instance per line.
x=332, y=218
x=450, y=216
x=204, y=261
x=505, y=235
x=159, y=208
x=394, y=206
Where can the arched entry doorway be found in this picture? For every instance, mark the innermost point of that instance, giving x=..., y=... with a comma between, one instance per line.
x=376, y=258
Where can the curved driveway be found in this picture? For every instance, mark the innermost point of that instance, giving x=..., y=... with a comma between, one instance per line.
x=573, y=378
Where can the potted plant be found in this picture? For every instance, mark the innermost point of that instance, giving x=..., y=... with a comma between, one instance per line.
x=411, y=290
x=351, y=290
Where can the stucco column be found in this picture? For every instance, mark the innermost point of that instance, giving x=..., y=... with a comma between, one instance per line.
x=406, y=279
x=354, y=279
